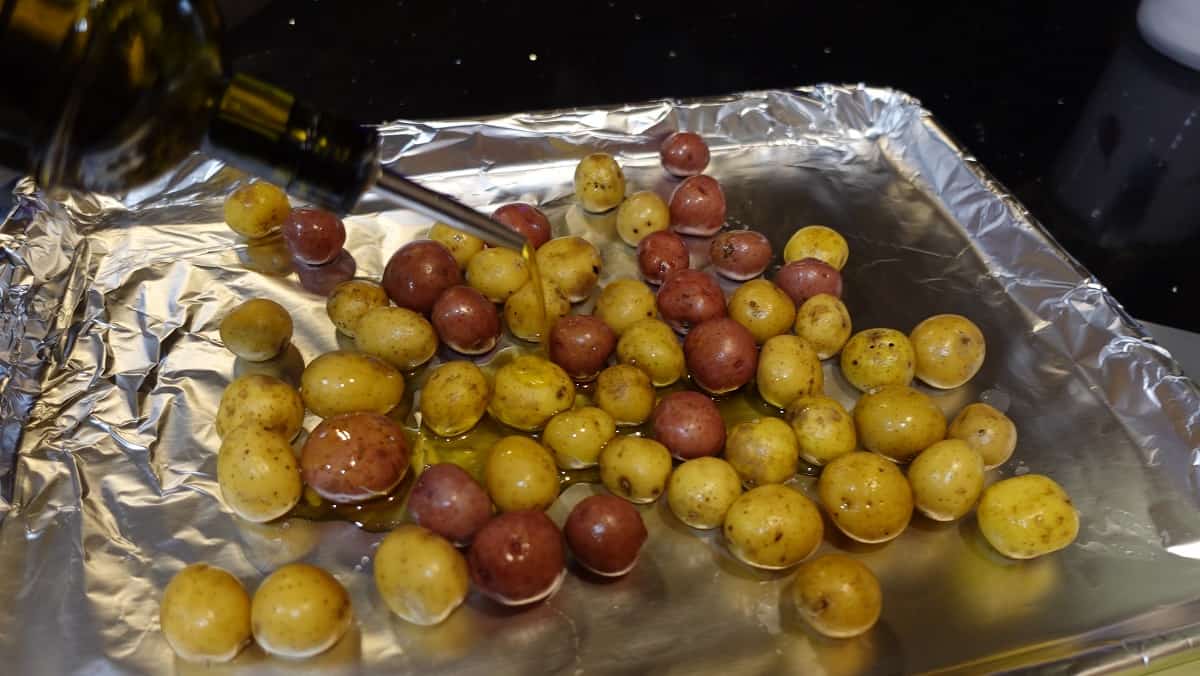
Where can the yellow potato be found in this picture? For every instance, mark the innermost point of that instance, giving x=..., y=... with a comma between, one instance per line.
x=626, y=393
x=256, y=210
x=946, y=480
x=577, y=436
x=878, y=357
x=837, y=595
x=986, y=430
x=1027, y=516
x=523, y=314
x=257, y=330
x=635, y=468
x=817, y=241
x=262, y=401
x=573, y=263
x=773, y=527
x=300, y=611
x=824, y=429
x=625, y=302
x=599, y=183
x=824, y=322
x=454, y=398
x=868, y=497
x=949, y=350
x=763, y=451
x=460, y=245
x=702, y=490
x=205, y=614
x=420, y=576
x=349, y=301
x=763, y=308
x=529, y=391
x=898, y=422
x=641, y=214
x=497, y=273
x=397, y=335
x=652, y=346
x=350, y=382
x=788, y=368
x=520, y=474
x=258, y=474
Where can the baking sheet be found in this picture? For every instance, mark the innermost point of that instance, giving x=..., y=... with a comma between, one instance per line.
x=111, y=370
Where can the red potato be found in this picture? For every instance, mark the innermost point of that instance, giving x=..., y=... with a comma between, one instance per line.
x=581, y=345
x=526, y=220
x=684, y=154
x=354, y=457
x=690, y=297
x=446, y=500
x=418, y=273
x=605, y=534
x=740, y=254
x=689, y=425
x=661, y=253
x=465, y=320
x=313, y=236
x=808, y=277
x=321, y=279
x=698, y=207
x=721, y=355
x=518, y=558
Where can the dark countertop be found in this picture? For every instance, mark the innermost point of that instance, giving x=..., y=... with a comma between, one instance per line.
x=1062, y=101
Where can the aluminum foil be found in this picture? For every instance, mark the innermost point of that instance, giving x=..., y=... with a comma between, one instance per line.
x=111, y=369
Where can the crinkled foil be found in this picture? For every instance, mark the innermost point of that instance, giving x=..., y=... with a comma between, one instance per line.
x=111, y=369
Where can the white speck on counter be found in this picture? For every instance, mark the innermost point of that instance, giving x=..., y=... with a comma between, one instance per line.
x=458, y=61
x=637, y=17
x=292, y=21
x=1061, y=101
x=671, y=54
x=828, y=50
x=532, y=56
x=1174, y=289
x=1095, y=213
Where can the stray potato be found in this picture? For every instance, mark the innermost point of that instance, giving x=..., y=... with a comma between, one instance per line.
x=454, y=398
x=520, y=474
x=820, y=242
x=825, y=323
x=573, y=263
x=763, y=308
x=641, y=214
x=497, y=273
x=263, y=401
x=838, y=595
x=256, y=210
x=300, y=611
x=898, y=422
x=349, y=301
x=257, y=330
x=788, y=368
x=577, y=436
x=877, y=357
x=1027, y=516
x=701, y=491
x=949, y=350
x=986, y=430
x=635, y=468
x=258, y=474
x=399, y=336
x=626, y=393
x=523, y=314
x=773, y=527
x=205, y=614
x=420, y=576
x=868, y=497
x=763, y=451
x=460, y=245
x=824, y=429
x=529, y=391
x=599, y=183
x=349, y=382
x=946, y=479
x=625, y=302
x=651, y=345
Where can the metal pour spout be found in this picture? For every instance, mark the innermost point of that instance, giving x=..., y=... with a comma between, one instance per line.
x=411, y=195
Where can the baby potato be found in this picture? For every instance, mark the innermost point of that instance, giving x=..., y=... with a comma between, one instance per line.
x=624, y=302
x=635, y=468
x=397, y=335
x=773, y=527
x=523, y=314
x=721, y=355
x=354, y=457
x=460, y=245
x=258, y=474
x=577, y=436
x=520, y=474
x=625, y=392
x=599, y=183
x=690, y=297
x=740, y=254
x=825, y=323
x=300, y=611
x=420, y=576
x=660, y=254
x=257, y=330
x=763, y=308
x=838, y=595
x=701, y=491
x=946, y=480
x=689, y=424
x=525, y=220
x=449, y=502
x=651, y=345
x=497, y=273
x=986, y=430
x=349, y=301
x=205, y=614
x=256, y=210
x=454, y=398
x=697, y=206
x=529, y=391
x=868, y=497
x=763, y=451
x=824, y=429
x=1027, y=516
x=820, y=242
x=949, y=349
x=572, y=263
x=877, y=357
x=640, y=214
x=898, y=422
x=347, y=382
x=788, y=367
x=683, y=154
x=581, y=344
x=465, y=320
x=263, y=401
x=809, y=277
x=605, y=534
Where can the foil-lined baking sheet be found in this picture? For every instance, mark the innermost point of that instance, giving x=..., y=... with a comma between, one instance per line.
x=111, y=369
